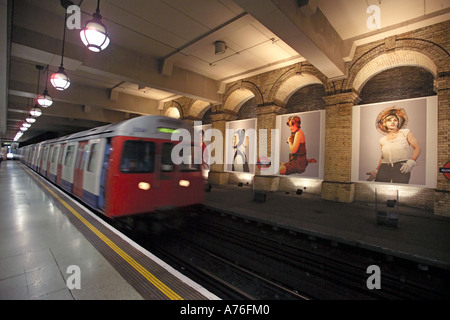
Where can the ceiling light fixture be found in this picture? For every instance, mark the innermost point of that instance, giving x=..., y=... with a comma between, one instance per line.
x=59, y=79
x=44, y=99
x=30, y=119
x=94, y=34
x=35, y=111
x=220, y=47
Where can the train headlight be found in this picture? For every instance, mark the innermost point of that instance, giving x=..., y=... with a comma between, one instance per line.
x=184, y=183
x=144, y=185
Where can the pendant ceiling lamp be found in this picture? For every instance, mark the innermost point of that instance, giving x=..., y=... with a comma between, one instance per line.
x=44, y=99
x=59, y=79
x=94, y=34
x=30, y=118
x=36, y=111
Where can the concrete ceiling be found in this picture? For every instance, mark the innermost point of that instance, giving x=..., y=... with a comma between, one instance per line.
x=164, y=49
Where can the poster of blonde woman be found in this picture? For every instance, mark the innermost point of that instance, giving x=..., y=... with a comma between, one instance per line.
x=395, y=141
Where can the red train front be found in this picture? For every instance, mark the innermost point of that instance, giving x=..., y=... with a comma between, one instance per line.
x=124, y=169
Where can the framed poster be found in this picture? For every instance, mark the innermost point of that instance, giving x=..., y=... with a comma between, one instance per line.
x=301, y=144
x=199, y=131
x=240, y=146
x=396, y=142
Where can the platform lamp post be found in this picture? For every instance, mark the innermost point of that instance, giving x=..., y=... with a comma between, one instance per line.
x=59, y=79
x=94, y=34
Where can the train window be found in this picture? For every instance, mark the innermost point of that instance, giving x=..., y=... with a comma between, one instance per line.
x=61, y=152
x=137, y=157
x=79, y=156
x=93, y=154
x=55, y=154
x=166, y=157
x=69, y=156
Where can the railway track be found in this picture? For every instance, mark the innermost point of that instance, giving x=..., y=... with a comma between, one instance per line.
x=225, y=278
x=240, y=259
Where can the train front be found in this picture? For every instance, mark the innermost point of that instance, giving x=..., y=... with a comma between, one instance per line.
x=154, y=166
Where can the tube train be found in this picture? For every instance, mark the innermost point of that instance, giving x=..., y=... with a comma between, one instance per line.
x=123, y=169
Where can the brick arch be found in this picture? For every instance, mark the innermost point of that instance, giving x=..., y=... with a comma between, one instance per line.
x=236, y=99
x=239, y=93
x=198, y=109
x=292, y=84
x=174, y=105
x=389, y=60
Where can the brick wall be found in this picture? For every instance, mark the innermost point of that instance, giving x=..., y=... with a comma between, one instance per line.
x=408, y=65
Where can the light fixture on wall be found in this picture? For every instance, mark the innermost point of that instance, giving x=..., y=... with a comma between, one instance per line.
x=220, y=47
x=44, y=99
x=94, y=34
x=59, y=79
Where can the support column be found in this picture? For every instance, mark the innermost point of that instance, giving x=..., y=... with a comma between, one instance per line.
x=442, y=192
x=337, y=185
x=266, y=119
x=217, y=175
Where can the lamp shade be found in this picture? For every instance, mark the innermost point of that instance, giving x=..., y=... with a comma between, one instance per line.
x=35, y=111
x=94, y=35
x=30, y=119
x=60, y=80
x=44, y=99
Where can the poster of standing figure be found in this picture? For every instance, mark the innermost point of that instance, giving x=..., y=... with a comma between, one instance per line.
x=241, y=145
x=393, y=141
x=300, y=144
x=200, y=134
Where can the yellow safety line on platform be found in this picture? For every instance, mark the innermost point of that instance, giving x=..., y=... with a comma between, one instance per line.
x=148, y=275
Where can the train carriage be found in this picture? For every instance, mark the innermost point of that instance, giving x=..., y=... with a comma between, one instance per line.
x=122, y=169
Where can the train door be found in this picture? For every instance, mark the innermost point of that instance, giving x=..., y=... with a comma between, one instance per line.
x=49, y=158
x=93, y=172
x=54, y=163
x=167, y=178
x=68, y=166
x=43, y=165
x=59, y=165
x=105, y=162
x=78, y=168
x=130, y=186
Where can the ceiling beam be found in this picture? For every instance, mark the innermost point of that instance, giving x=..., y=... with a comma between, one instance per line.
x=305, y=30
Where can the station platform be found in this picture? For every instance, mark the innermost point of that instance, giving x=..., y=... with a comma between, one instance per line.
x=44, y=234
x=419, y=236
x=52, y=248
